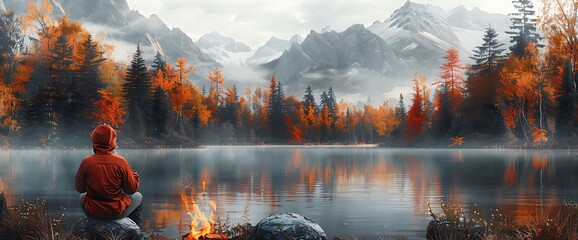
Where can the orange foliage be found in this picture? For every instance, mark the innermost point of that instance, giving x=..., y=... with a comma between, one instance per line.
x=294, y=131
x=204, y=114
x=22, y=75
x=525, y=85
x=325, y=119
x=452, y=77
x=539, y=135
x=177, y=85
x=37, y=19
x=457, y=141
x=383, y=119
x=416, y=116
x=216, y=90
x=559, y=22
x=8, y=106
x=108, y=109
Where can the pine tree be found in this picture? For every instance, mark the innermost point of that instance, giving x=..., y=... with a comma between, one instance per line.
x=137, y=92
x=158, y=63
x=275, y=115
x=11, y=42
x=332, y=104
x=566, y=106
x=400, y=115
x=443, y=117
x=60, y=106
x=523, y=29
x=160, y=111
x=484, y=115
x=488, y=55
x=88, y=78
x=309, y=99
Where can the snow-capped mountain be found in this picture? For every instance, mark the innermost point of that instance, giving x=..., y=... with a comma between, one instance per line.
x=422, y=33
x=125, y=29
x=272, y=50
x=351, y=61
x=225, y=50
x=470, y=25
x=418, y=33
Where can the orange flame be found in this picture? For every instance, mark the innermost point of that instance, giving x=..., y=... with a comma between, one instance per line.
x=198, y=207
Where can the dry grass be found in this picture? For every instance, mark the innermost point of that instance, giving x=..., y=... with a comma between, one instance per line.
x=452, y=223
x=30, y=221
x=241, y=230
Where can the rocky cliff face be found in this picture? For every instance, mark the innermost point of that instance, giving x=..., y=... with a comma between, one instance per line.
x=352, y=60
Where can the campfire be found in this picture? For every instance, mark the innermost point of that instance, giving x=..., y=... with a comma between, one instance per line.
x=201, y=209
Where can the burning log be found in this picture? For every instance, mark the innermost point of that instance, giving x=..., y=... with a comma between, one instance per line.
x=198, y=207
x=208, y=236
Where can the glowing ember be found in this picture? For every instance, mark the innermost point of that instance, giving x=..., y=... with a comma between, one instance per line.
x=198, y=207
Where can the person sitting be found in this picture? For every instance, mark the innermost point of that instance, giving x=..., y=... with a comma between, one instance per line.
x=107, y=184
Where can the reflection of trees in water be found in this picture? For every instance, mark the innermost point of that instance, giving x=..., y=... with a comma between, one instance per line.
x=266, y=178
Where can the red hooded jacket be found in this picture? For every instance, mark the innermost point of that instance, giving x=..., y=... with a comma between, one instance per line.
x=104, y=176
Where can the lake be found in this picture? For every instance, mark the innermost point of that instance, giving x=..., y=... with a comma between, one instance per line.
x=366, y=192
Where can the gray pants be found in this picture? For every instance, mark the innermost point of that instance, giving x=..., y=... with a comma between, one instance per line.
x=136, y=200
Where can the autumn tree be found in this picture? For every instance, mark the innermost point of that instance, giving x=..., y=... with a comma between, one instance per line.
x=559, y=22
x=416, y=116
x=524, y=27
x=8, y=105
x=383, y=119
x=216, y=90
x=450, y=93
x=525, y=89
x=37, y=18
x=108, y=110
x=11, y=43
x=180, y=92
x=452, y=76
x=293, y=119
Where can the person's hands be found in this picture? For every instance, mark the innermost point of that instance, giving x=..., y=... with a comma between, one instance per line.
x=135, y=174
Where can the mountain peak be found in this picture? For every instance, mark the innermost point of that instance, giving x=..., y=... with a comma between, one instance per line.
x=408, y=3
x=296, y=39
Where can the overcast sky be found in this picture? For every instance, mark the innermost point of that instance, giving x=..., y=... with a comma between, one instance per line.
x=254, y=21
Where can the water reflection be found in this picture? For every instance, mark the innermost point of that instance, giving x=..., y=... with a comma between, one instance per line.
x=346, y=190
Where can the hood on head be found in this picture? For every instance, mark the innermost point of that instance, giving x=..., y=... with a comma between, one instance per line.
x=103, y=139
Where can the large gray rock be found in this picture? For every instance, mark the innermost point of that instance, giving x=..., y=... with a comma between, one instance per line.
x=287, y=226
x=123, y=228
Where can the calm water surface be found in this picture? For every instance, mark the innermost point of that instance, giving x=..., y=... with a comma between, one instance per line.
x=362, y=191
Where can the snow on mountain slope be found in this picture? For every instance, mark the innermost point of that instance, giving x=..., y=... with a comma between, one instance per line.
x=419, y=33
x=225, y=50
